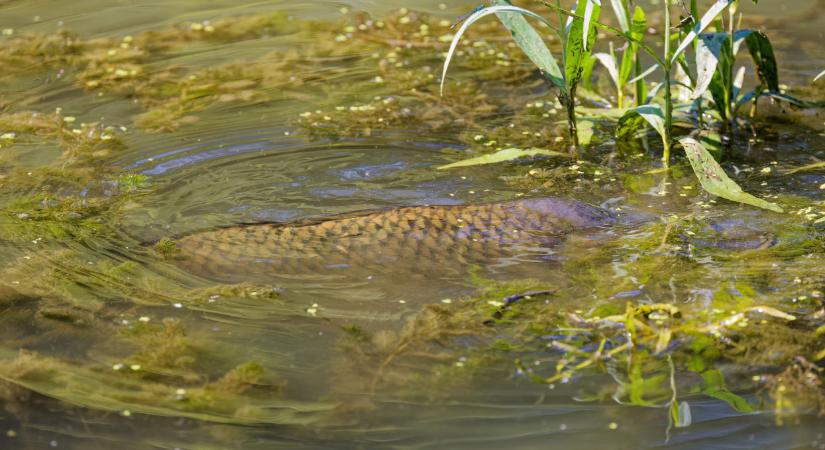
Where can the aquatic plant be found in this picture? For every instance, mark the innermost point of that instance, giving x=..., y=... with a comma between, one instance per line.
x=715, y=60
x=577, y=37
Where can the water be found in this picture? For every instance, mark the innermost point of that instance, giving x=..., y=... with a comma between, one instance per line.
x=122, y=348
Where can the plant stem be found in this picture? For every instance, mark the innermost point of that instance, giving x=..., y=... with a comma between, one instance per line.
x=569, y=102
x=667, y=139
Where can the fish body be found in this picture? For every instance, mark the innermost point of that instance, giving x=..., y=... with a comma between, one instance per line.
x=405, y=238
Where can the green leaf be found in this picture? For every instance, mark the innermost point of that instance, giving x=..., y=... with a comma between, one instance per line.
x=538, y=51
x=591, y=14
x=621, y=14
x=714, y=386
x=794, y=101
x=531, y=43
x=508, y=154
x=703, y=23
x=714, y=179
x=634, y=120
x=763, y=58
x=575, y=49
x=814, y=166
x=637, y=32
x=708, y=52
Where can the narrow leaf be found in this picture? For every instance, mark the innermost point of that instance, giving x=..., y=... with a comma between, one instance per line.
x=590, y=7
x=703, y=23
x=575, y=49
x=714, y=179
x=708, y=50
x=508, y=154
x=647, y=72
x=609, y=62
x=544, y=60
x=621, y=15
x=637, y=32
x=763, y=58
x=738, y=82
x=794, y=101
x=773, y=312
x=821, y=74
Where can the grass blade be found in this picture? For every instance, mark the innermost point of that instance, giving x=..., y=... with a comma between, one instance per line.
x=821, y=74
x=508, y=154
x=546, y=65
x=703, y=23
x=575, y=49
x=647, y=72
x=621, y=15
x=714, y=179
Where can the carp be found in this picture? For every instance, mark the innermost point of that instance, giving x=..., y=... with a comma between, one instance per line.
x=407, y=238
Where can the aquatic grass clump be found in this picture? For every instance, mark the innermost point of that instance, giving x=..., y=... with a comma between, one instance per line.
x=714, y=60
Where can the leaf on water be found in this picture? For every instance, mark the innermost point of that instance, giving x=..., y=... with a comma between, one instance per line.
x=575, y=49
x=714, y=179
x=531, y=43
x=794, y=101
x=708, y=51
x=683, y=416
x=508, y=154
x=714, y=386
x=814, y=166
x=547, y=65
x=634, y=120
x=585, y=131
x=773, y=312
x=763, y=58
x=703, y=23
x=609, y=62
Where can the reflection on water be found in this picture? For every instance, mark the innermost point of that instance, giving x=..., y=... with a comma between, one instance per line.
x=109, y=339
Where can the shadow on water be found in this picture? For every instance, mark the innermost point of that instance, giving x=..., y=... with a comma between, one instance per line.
x=147, y=135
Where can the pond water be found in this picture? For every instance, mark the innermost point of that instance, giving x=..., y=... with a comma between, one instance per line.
x=128, y=125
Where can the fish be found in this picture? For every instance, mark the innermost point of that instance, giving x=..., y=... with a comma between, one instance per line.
x=405, y=238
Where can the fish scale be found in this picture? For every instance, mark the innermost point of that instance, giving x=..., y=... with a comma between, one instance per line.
x=407, y=238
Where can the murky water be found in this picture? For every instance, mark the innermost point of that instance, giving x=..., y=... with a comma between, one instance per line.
x=151, y=122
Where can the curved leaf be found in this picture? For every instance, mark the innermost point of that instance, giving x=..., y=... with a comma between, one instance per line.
x=508, y=154
x=703, y=23
x=821, y=74
x=634, y=118
x=621, y=15
x=714, y=179
x=609, y=62
x=544, y=59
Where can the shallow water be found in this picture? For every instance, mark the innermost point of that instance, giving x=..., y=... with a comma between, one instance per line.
x=124, y=348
